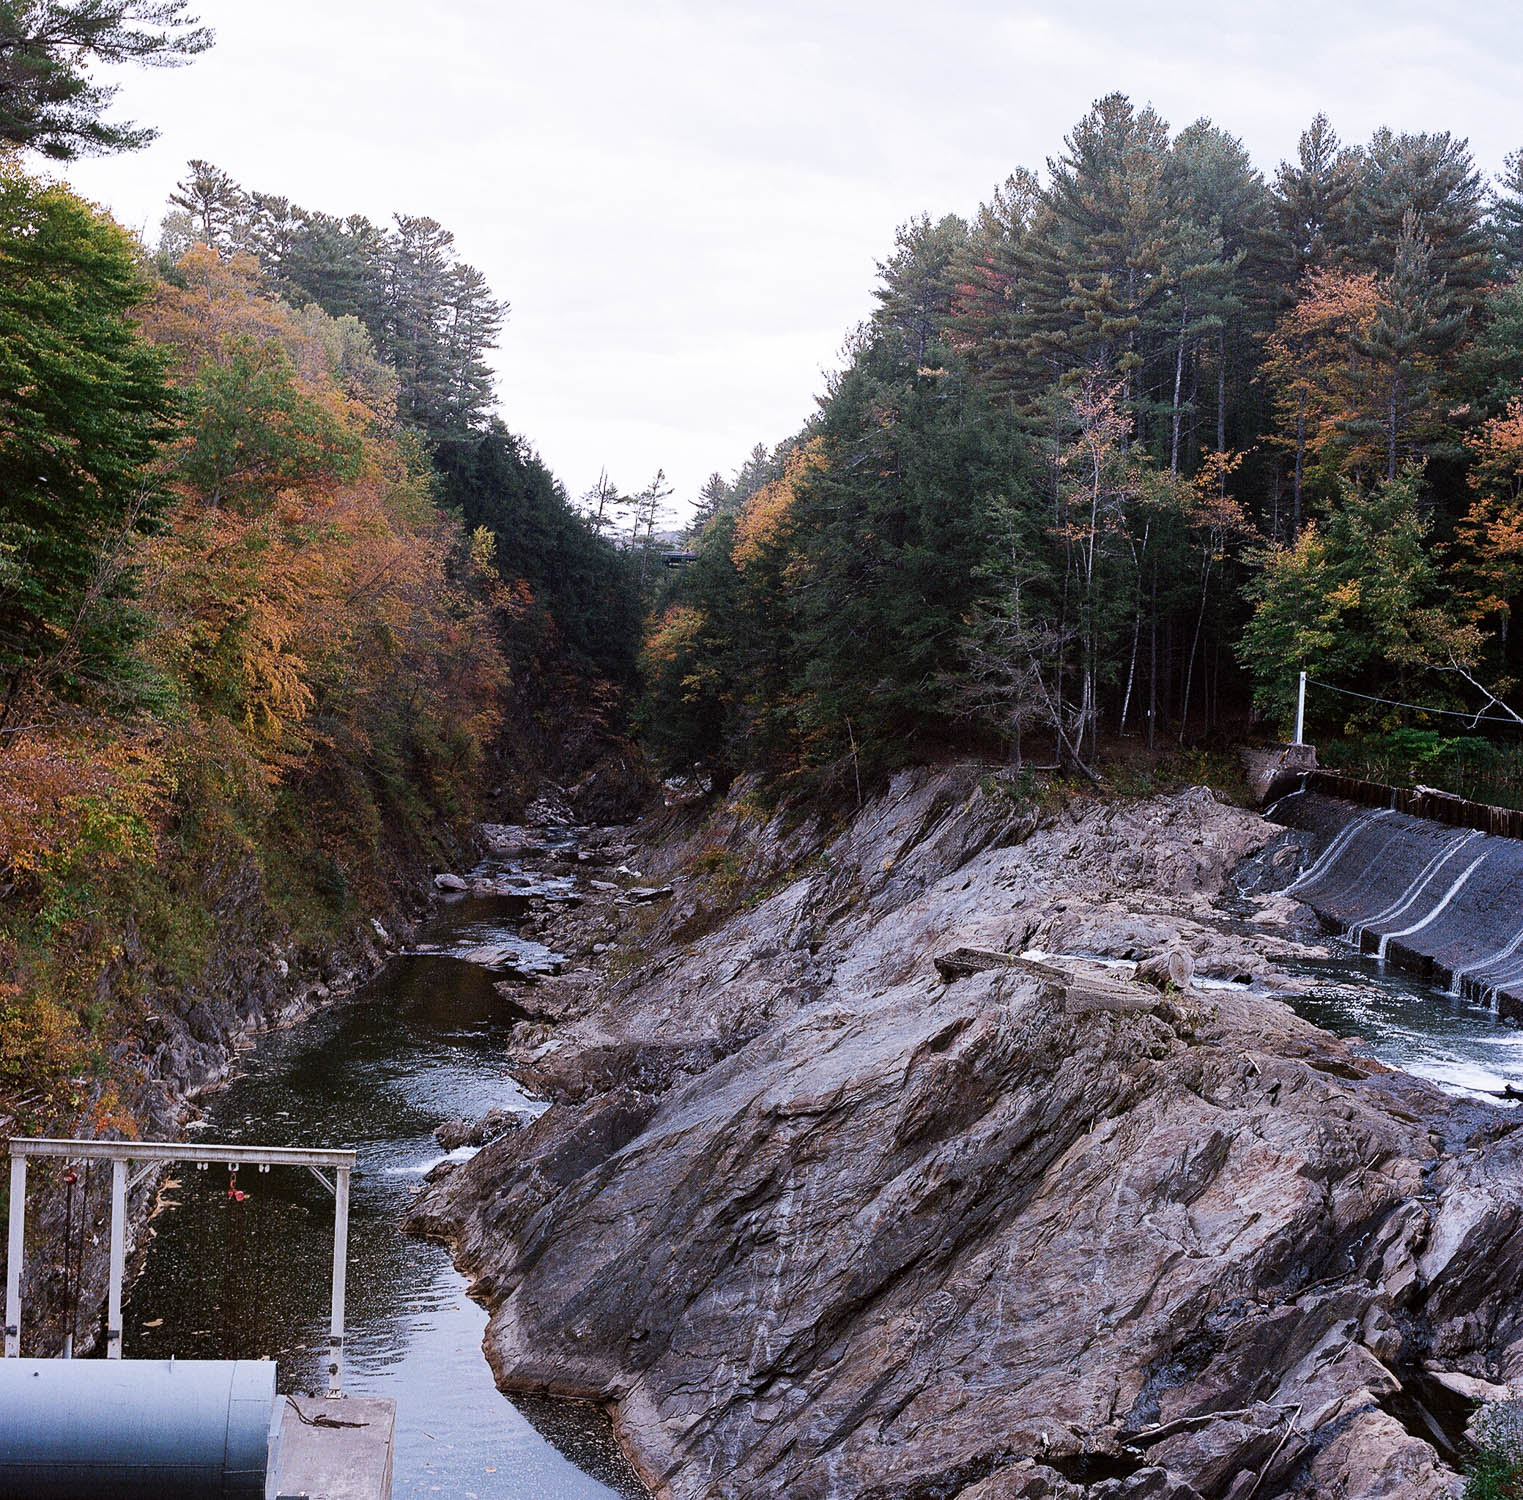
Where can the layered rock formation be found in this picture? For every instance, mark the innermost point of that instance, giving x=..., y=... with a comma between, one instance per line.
x=817, y=1222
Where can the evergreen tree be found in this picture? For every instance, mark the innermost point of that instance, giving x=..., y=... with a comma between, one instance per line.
x=1092, y=265
x=216, y=206
x=601, y=505
x=1310, y=206
x=986, y=327
x=1432, y=179
x=571, y=577
x=473, y=323
x=48, y=101
x=1414, y=326
x=713, y=499
x=1507, y=216
x=891, y=525
x=916, y=283
x=757, y=470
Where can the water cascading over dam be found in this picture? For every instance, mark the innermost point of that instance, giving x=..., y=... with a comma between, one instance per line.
x=1443, y=902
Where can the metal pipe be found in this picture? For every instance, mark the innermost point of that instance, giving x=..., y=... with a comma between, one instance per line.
x=13, y=1251
x=1300, y=738
x=118, y=1258
x=136, y=1429
x=340, y=1260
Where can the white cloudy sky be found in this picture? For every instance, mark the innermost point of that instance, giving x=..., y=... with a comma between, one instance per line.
x=684, y=199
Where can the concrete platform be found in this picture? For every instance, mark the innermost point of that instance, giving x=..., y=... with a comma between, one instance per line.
x=335, y=1448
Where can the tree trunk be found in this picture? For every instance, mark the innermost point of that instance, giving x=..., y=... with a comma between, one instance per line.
x=1295, y=509
x=1200, y=620
x=1221, y=394
x=1179, y=374
x=1153, y=661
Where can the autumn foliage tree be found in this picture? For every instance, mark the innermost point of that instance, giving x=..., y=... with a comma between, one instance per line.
x=216, y=486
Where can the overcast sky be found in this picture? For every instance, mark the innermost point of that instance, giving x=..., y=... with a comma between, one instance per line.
x=684, y=199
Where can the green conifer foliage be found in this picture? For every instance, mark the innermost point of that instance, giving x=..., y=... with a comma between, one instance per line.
x=84, y=404
x=48, y=101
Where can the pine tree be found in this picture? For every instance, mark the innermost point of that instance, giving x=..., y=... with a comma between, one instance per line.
x=713, y=498
x=217, y=207
x=1433, y=179
x=916, y=283
x=48, y=102
x=1220, y=205
x=601, y=505
x=986, y=328
x=1415, y=325
x=759, y=467
x=1507, y=216
x=1091, y=267
x=1309, y=206
x=474, y=320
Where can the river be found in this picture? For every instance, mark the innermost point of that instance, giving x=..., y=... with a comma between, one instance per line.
x=421, y=1043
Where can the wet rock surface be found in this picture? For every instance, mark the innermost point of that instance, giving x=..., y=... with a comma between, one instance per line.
x=817, y=1218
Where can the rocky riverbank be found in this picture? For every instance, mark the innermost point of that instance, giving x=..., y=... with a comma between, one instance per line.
x=815, y=1220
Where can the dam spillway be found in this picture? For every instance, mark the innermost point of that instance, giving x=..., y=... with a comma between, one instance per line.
x=1441, y=901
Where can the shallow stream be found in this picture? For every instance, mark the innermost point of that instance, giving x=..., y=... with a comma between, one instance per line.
x=422, y=1043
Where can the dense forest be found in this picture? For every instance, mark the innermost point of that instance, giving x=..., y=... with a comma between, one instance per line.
x=1123, y=454
x=274, y=580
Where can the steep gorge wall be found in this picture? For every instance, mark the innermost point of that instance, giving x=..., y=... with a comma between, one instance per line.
x=814, y=1222
x=174, y=1038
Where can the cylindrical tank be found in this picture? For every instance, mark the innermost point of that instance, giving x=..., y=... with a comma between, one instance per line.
x=80, y=1429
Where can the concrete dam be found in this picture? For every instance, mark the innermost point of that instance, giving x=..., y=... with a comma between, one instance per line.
x=1443, y=902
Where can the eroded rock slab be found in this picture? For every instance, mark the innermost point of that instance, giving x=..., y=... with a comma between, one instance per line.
x=817, y=1223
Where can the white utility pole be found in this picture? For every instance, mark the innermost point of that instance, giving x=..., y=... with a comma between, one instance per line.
x=1300, y=738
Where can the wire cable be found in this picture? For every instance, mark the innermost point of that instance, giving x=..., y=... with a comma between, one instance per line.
x=1479, y=717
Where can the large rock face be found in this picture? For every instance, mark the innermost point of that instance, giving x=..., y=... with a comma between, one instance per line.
x=817, y=1224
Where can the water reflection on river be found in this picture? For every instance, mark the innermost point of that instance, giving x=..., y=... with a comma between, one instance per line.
x=422, y=1043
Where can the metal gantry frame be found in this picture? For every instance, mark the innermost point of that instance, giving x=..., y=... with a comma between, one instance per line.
x=152, y=1155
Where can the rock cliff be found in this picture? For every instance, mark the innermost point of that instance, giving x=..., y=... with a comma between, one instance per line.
x=816, y=1222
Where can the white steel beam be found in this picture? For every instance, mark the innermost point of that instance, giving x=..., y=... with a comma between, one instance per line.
x=13, y=1252
x=274, y=1156
x=340, y=1261
x=118, y=1258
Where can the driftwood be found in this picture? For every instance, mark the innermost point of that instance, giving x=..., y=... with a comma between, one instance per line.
x=1082, y=993
x=1174, y=966
x=959, y=963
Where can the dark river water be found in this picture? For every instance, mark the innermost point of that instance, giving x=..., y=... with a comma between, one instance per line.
x=422, y=1043
x=1456, y=1043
